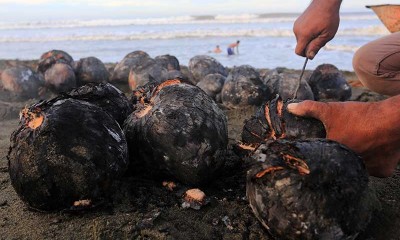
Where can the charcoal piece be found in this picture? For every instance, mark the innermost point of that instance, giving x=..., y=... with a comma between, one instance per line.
x=105, y=96
x=65, y=150
x=20, y=84
x=178, y=130
x=329, y=84
x=309, y=189
x=243, y=87
x=90, y=70
x=60, y=77
x=285, y=85
x=212, y=84
x=121, y=70
x=147, y=71
x=202, y=65
x=52, y=57
x=168, y=62
x=273, y=121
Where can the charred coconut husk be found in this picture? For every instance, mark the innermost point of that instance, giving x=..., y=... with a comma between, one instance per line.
x=121, y=70
x=309, y=189
x=285, y=85
x=243, y=87
x=65, y=150
x=147, y=71
x=60, y=78
x=168, y=62
x=273, y=121
x=19, y=84
x=212, y=84
x=90, y=70
x=329, y=84
x=52, y=57
x=178, y=129
x=202, y=65
x=105, y=96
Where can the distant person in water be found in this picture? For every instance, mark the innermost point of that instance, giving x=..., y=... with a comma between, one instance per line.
x=217, y=49
x=232, y=46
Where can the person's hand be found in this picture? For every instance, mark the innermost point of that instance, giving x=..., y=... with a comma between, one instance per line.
x=316, y=26
x=370, y=129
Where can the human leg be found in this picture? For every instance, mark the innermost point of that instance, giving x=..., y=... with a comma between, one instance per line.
x=377, y=64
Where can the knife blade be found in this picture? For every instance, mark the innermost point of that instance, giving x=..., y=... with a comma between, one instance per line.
x=301, y=76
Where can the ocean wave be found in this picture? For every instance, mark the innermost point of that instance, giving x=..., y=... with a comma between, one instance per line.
x=342, y=48
x=200, y=19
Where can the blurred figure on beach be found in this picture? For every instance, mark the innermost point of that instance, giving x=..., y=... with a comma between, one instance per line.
x=371, y=129
x=231, y=48
x=217, y=49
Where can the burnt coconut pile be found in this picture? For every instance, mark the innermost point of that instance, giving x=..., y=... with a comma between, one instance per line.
x=90, y=70
x=66, y=153
x=328, y=84
x=176, y=129
x=202, y=65
x=309, y=189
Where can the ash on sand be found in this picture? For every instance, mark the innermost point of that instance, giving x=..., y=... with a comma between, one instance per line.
x=144, y=209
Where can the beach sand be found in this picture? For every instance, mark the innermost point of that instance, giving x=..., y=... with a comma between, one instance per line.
x=143, y=209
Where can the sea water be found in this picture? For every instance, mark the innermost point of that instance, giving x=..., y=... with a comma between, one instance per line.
x=266, y=40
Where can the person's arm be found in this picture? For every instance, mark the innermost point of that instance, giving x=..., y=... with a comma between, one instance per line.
x=316, y=26
x=370, y=129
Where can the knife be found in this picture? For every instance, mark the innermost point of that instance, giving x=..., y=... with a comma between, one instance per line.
x=301, y=76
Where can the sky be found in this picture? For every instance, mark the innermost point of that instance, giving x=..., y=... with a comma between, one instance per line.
x=13, y=10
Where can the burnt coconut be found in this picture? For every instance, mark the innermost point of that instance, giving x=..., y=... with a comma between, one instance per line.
x=243, y=87
x=60, y=78
x=63, y=151
x=202, y=65
x=20, y=84
x=90, y=70
x=105, y=96
x=52, y=57
x=328, y=84
x=212, y=84
x=274, y=121
x=178, y=130
x=168, y=62
x=147, y=71
x=121, y=70
x=309, y=189
x=285, y=85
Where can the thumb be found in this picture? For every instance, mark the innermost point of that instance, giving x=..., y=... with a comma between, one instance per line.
x=309, y=108
x=315, y=45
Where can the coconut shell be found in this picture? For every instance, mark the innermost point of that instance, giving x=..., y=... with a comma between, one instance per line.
x=329, y=84
x=285, y=85
x=52, y=57
x=243, y=87
x=212, y=84
x=168, y=62
x=60, y=77
x=20, y=84
x=309, y=189
x=178, y=130
x=274, y=121
x=90, y=70
x=65, y=150
x=105, y=96
x=121, y=70
x=202, y=65
x=147, y=71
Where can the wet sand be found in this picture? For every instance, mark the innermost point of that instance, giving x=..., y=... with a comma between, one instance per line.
x=142, y=208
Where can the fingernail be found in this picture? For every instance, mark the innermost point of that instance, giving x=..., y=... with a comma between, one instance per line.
x=311, y=55
x=292, y=106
